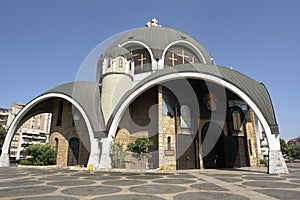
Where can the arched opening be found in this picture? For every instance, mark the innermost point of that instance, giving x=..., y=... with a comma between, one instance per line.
x=169, y=142
x=212, y=137
x=73, y=153
x=141, y=57
x=180, y=54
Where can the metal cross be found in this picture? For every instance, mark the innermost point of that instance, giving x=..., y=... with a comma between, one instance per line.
x=173, y=59
x=182, y=55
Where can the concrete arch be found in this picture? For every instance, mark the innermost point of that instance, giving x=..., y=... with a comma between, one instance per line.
x=4, y=159
x=273, y=140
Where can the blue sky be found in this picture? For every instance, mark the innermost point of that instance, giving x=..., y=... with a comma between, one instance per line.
x=43, y=43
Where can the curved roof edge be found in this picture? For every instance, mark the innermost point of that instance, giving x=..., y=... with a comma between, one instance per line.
x=256, y=91
x=87, y=95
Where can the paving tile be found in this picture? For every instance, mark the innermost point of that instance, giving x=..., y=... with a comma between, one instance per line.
x=281, y=194
x=157, y=189
x=208, y=195
x=91, y=190
x=129, y=197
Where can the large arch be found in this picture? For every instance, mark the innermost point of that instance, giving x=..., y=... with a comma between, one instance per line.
x=94, y=150
x=275, y=155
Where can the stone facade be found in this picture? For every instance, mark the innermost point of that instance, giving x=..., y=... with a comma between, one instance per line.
x=61, y=133
x=240, y=148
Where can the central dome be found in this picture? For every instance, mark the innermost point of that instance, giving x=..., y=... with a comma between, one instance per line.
x=160, y=38
x=142, y=51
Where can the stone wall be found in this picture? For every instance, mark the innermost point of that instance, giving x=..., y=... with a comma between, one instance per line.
x=65, y=132
x=252, y=140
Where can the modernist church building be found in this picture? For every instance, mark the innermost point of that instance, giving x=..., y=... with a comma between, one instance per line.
x=160, y=83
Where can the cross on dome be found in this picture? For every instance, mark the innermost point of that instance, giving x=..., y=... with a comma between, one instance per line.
x=153, y=23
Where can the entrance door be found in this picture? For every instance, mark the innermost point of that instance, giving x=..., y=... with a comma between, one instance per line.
x=187, y=151
x=212, y=145
x=73, y=153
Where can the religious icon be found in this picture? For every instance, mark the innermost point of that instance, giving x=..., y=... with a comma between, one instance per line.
x=210, y=101
x=185, y=118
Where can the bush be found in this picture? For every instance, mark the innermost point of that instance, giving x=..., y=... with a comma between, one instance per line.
x=117, y=155
x=39, y=155
x=140, y=147
x=264, y=162
x=25, y=162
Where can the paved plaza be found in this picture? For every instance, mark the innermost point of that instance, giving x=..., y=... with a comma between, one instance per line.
x=71, y=184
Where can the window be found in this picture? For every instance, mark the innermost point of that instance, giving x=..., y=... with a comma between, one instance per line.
x=120, y=62
x=250, y=146
x=177, y=55
x=108, y=62
x=59, y=114
x=56, y=144
x=141, y=58
x=169, y=142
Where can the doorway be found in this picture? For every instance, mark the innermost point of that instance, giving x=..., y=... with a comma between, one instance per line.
x=73, y=153
x=187, y=151
x=212, y=136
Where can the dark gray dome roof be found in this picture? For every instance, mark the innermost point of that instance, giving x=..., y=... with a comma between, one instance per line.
x=158, y=38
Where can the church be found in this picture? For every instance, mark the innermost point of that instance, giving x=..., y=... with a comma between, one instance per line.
x=159, y=83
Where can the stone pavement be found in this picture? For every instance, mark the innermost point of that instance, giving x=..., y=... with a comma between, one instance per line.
x=67, y=184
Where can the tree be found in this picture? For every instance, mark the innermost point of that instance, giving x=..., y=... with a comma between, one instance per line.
x=39, y=155
x=284, y=147
x=2, y=137
x=294, y=151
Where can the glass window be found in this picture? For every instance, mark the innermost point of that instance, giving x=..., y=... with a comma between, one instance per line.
x=59, y=114
x=120, y=62
x=169, y=142
x=108, y=62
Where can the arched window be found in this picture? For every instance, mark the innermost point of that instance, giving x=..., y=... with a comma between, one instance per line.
x=120, y=62
x=250, y=147
x=178, y=55
x=141, y=58
x=108, y=62
x=169, y=142
x=56, y=144
x=130, y=65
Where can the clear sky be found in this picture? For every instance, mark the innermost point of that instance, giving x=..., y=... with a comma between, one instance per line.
x=43, y=43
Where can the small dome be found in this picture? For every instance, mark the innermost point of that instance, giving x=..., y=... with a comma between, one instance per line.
x=117, y=51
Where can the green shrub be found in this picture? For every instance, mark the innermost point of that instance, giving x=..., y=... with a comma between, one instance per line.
x=25, y=162
x=264, y=162
x=117, y=155
x=40, y=155
x=140, y=147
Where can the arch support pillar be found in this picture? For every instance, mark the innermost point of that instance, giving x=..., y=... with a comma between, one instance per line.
x=276, y=164
x=4, y=160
